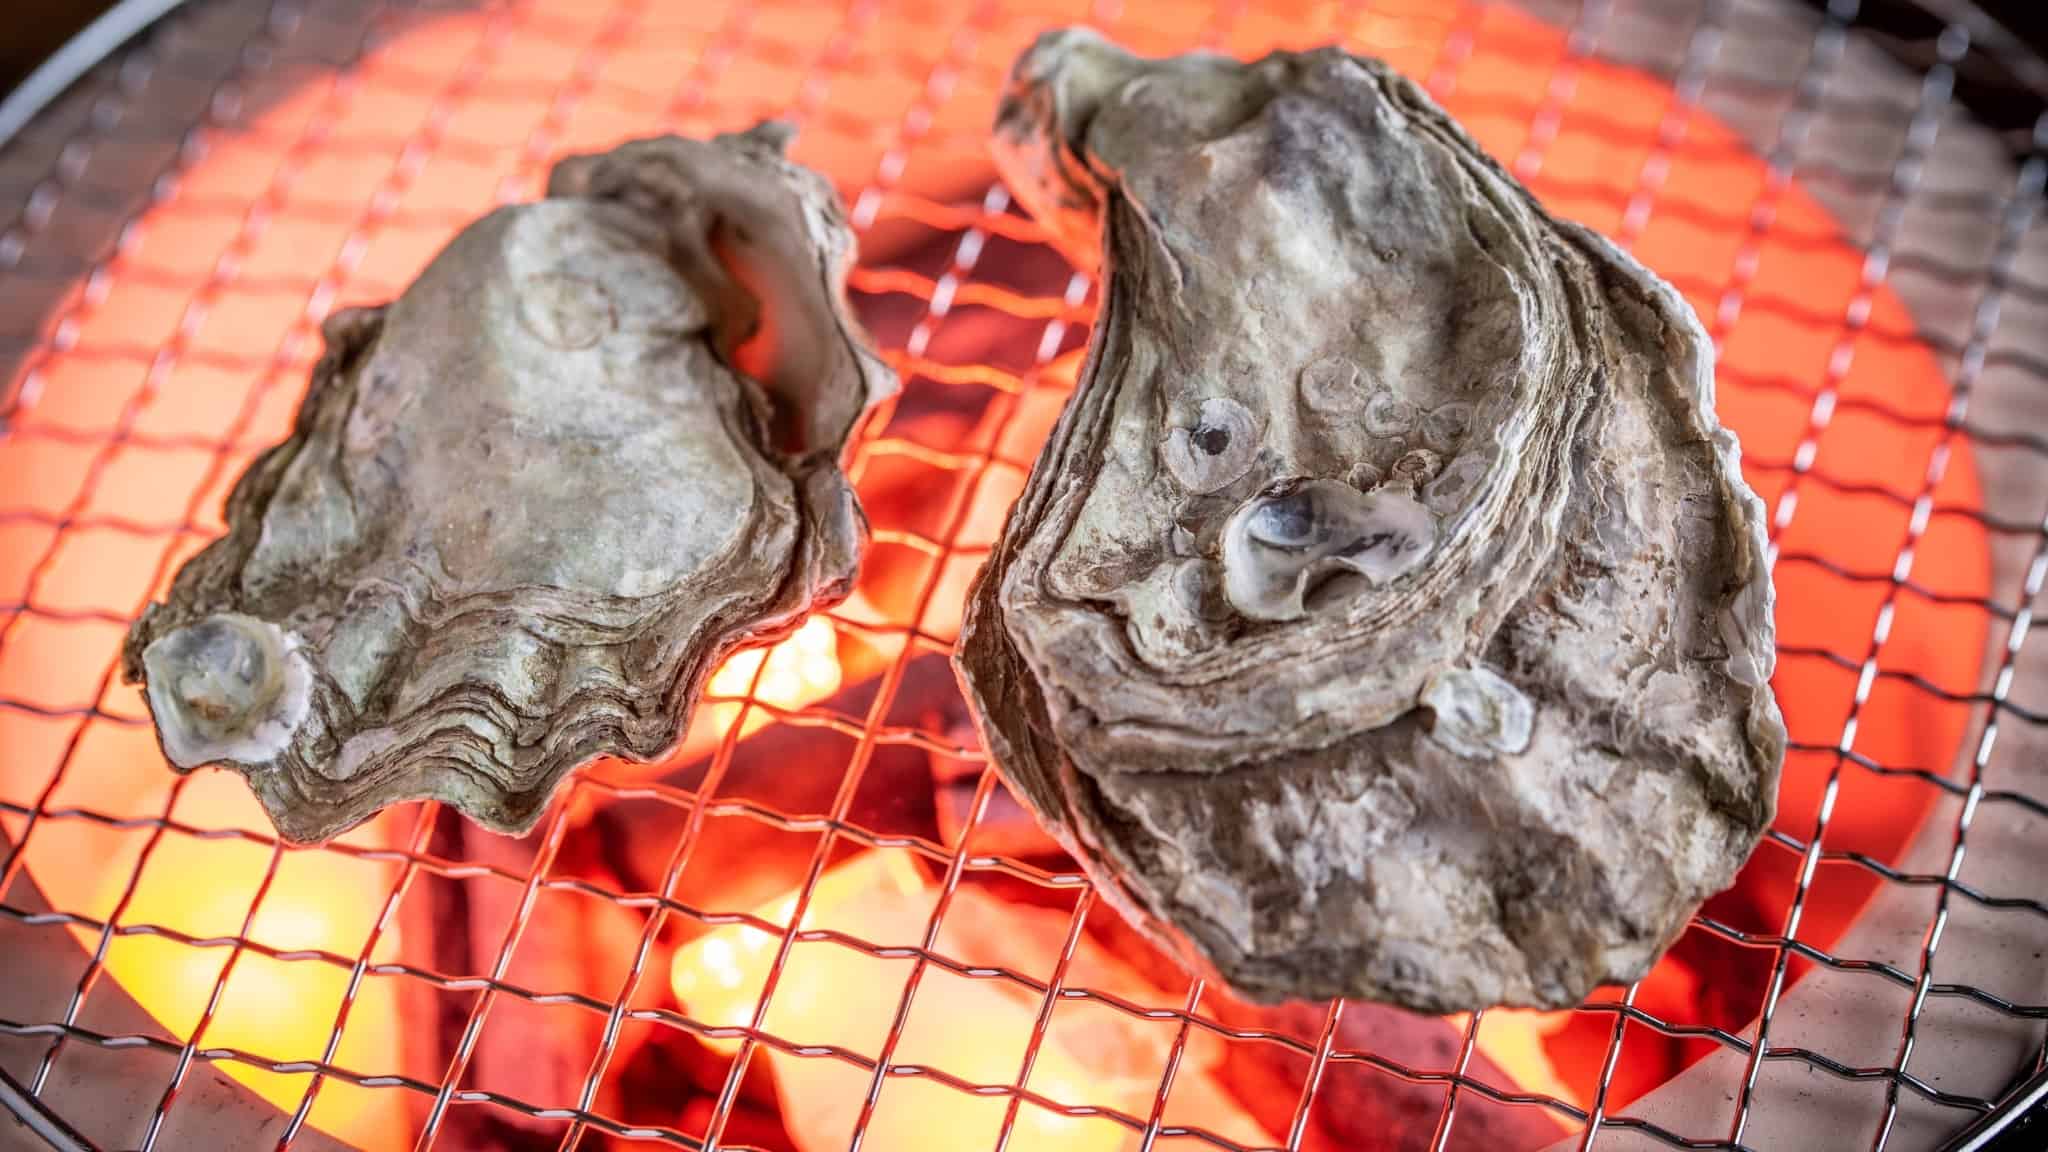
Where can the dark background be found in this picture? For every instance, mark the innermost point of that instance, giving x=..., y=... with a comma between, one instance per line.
x=35, y=28
x=32, y=29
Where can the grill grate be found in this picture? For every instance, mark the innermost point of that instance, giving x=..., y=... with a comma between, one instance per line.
x=192, y=209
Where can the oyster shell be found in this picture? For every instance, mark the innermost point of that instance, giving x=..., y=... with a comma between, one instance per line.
x=1455, y=694
x=528, y=504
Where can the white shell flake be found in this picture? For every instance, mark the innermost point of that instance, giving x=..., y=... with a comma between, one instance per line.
x=528, y=504
x=1279, y=541
x=1475, y=713
x=1485, y=500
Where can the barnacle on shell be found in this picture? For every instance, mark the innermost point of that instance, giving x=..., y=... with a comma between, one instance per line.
x=1476, y=712
x=1487, y=512
x=1217, y=449
x=1417, y=467
x=1280, y=540
x=529, y=503
x=1334, y=385
x=229, y=687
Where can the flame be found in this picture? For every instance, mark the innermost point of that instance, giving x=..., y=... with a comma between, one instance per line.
x=798, y=671
x=975, y=1029
x=719, y=976
x=1514, y=1038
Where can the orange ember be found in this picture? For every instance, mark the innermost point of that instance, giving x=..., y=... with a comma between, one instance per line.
x=975, y=1029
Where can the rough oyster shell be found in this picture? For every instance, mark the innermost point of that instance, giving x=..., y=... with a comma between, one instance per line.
x=1455, y=695
x=529, y=503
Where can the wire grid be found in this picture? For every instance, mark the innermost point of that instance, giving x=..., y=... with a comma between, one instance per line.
x=852, y=48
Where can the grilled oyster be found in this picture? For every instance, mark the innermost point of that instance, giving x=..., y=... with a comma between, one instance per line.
x=530, y=502
x=1387, y=616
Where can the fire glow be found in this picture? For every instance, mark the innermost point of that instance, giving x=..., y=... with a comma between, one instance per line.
x=793, y=673
x=973, y=1028
x=278, y=1008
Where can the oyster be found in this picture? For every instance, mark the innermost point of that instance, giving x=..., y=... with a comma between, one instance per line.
x=1387, y=616
x=528, y=504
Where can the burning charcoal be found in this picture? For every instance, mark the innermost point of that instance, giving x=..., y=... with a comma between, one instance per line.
x=529, y=504
x=1378, y=1109
x=1387, y=616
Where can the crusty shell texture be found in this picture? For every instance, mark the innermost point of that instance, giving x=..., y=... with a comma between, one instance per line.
x=1387, y=616
x=528, y=504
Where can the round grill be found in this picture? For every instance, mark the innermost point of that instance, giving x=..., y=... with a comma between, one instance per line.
x=823, y=922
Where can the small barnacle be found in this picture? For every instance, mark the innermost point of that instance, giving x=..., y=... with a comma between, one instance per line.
x=1217, y=450
x=1332, y=385
x=1416, y=467
x=1388, y=415
x=1444, y=427
x=1362, y=476
x=226, y=687
x=1477, y=714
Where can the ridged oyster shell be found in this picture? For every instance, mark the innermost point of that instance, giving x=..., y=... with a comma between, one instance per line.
x=1448, y=690
x=528, y=504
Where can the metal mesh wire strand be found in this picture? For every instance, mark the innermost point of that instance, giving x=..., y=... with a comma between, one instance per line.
x=1866, y=252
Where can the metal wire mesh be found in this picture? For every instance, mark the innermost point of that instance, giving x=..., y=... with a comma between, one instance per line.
x=191, y=212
